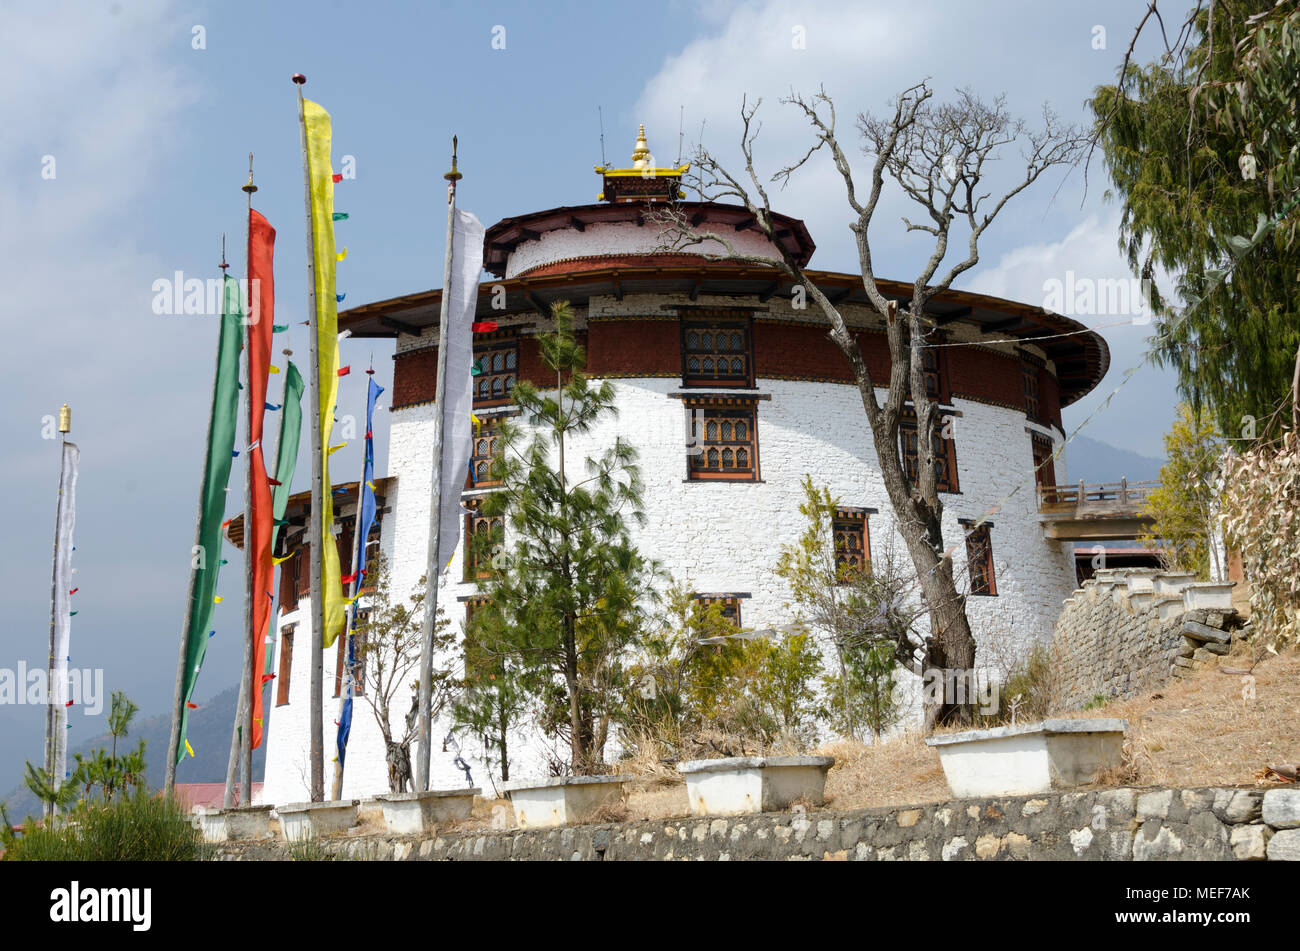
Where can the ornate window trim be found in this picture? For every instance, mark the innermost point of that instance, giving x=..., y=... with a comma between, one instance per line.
x=945, y=450
x=722, y=439
x=476, y=525
x=497, y=359
x=713, y=338
x=979, y=558
x=851, y=532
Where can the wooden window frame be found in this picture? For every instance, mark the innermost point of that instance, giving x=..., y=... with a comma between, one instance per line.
x=481, y=462
x=849, y=525
x=710, y=322
x=724, y=413
x=508, y=346
x=472, y=572
x=1041, y=448
x=1032, y=388
x=285, y=670
x=934, y=364
x=979, y=552
x=945, y=450
x=730, y=604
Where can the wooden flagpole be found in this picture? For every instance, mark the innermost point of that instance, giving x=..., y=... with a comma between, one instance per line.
x=240, y=759
x=317, y=700
x=433, y=568
x=178, y=698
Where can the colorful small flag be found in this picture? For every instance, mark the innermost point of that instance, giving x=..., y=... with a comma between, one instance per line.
x=483, y=326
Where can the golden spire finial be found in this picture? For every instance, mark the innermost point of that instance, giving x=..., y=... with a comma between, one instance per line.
x=641, y=154
x=65, y=419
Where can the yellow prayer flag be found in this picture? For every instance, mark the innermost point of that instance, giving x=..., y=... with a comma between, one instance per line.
x=280, y=561
x=318, y=135
x=342, y=255
x=189, y=749
x=273, y=369
x=218, y=599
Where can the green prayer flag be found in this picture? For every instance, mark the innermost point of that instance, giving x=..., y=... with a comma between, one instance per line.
x=286, y=459
x=212, y=497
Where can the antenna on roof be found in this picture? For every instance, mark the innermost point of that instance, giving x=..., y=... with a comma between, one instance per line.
x=602, y=136
x=681, y=135
x=699, y=187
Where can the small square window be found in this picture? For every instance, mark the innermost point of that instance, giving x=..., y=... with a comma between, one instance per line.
x=485, y=448
x=723, y=441
x=945, y=450
x=729, y=605
x=495, y=370
x=716, y=351
x=852, y=542
x=482, y=534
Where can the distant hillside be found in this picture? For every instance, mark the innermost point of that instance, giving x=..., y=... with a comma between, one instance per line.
x=1094, y=461
x=209, y=735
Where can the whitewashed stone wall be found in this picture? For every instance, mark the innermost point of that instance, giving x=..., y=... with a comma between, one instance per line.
x=623, y=237
x=723, y=537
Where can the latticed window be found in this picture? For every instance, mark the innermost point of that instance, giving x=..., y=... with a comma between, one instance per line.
x=496, y=366
x=723, y=443
x=483, y=533
x=979, y=559
x=716, y=352
x=728, y=605
x=945, y=451
x=1029, y=376
x=852, y=541
x=936, y=378
x=486, y=446
x=1044, y=466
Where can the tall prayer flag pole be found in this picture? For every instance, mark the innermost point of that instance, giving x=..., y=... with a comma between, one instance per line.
x=434, y=567
x=317, y=496
x=56, y=712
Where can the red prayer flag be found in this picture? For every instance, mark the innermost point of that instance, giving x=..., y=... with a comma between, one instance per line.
x=261, y=321
x=483, y=326
x=344, y=371
x=338, y=177
x=191, y=706
x=74, y=591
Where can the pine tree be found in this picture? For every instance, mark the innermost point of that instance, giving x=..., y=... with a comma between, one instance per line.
x=567, y=592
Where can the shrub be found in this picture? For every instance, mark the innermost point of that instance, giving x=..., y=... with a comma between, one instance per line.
x=129, y=828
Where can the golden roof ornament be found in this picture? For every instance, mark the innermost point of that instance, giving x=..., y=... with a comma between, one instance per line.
x=641, y=154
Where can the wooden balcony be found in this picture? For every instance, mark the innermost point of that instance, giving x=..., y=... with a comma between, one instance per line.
x=1095, y=512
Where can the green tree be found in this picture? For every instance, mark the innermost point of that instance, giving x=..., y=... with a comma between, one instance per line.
x=1185, y=504
x=858, y=611
x=492, y=699
x=1185, y=160
x=567, y=595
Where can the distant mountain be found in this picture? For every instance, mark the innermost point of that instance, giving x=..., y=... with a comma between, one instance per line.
x=1093, y=461
x=209, y=736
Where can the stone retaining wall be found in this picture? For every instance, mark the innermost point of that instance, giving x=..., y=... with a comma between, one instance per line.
x=1110, y=824
x=1110, y=640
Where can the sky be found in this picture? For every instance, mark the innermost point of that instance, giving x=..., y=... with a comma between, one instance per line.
x=128, y=127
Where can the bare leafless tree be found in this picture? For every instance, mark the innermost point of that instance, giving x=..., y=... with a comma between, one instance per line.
x=388, y=652
x=939, y=156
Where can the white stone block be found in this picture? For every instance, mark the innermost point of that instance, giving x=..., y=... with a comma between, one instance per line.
x=309, y=820
x=560, y=800
x=416, y=812
x=1170, y=584
x=748, y=784
x=1034, y=758
x=1208, y=596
